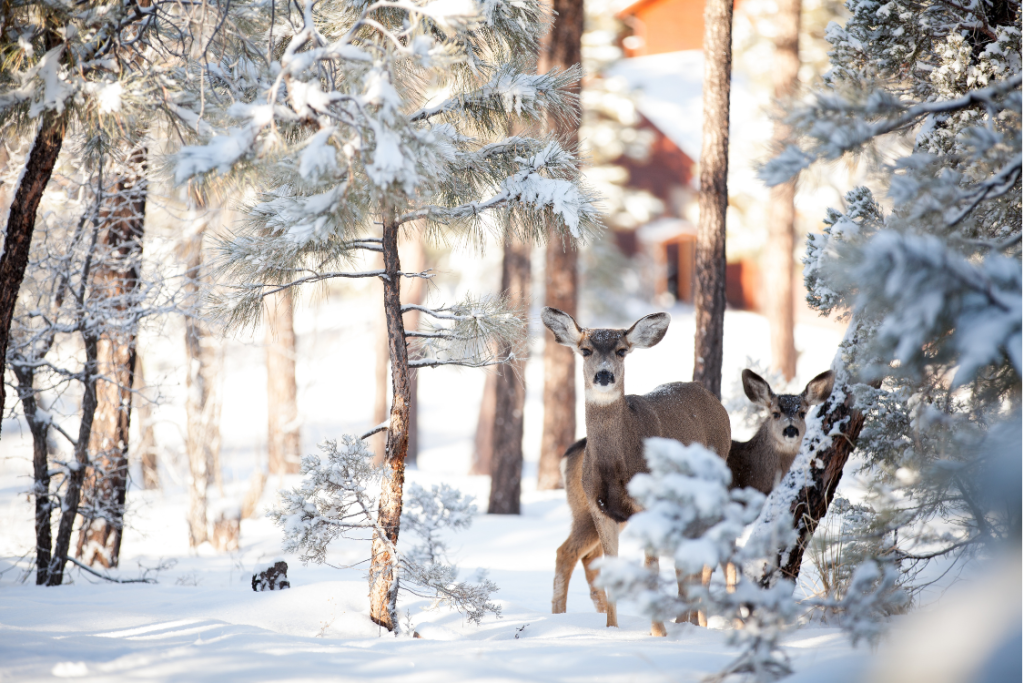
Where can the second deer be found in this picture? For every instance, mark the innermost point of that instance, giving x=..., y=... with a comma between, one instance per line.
x=598, y=468
x=761, y=462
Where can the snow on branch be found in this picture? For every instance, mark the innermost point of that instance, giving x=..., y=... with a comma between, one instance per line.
x=921, y=289
x=836, y=125
x=334, y=500
x=467, y=333
x=538, y=187
x=691, y=514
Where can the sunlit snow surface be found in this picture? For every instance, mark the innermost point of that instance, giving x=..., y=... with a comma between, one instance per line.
x=202, y=621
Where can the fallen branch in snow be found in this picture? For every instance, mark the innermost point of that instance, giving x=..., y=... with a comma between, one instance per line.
x=107, y=577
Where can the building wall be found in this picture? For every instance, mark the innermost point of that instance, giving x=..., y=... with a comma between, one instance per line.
x=665, y=26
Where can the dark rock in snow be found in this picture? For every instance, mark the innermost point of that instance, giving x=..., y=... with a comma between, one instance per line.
x=273, y=578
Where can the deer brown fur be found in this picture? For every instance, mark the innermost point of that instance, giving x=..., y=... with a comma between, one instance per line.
x=598, y=468
x=761, y=462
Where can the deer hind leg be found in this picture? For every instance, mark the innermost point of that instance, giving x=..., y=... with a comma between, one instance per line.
x=608, y=530
x=582, y=541
x=596, y=594
x=698, y=617
x=651, y=562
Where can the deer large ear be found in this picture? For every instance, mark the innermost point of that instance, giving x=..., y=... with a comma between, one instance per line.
x=562, y=325
x=819, y=388
x=648, y=330
x=756, y=389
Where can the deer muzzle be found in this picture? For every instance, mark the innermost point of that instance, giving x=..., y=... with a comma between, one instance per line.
x=604, y=378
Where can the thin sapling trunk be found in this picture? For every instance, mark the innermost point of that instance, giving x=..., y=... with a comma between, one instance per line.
x=384, y=567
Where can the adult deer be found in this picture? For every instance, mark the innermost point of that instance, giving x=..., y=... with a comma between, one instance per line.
x=598, y=468
x=761, y=462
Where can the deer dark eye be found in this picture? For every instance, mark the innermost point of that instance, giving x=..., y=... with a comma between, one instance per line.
x=621, y=353
x=585, y=352
x=803, y=414
x=776, y=415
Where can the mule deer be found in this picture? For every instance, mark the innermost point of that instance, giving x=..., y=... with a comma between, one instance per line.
x=761, y=462
x=598, y=468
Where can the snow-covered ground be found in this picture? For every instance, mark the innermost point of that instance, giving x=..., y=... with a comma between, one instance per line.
x=202, y=621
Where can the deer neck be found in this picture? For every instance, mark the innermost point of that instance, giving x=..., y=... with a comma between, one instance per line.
x=608, y=425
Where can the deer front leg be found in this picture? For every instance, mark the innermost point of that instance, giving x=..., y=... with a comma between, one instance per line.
x=608, y=530
x=651, y=562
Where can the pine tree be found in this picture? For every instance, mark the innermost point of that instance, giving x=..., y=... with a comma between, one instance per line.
x=369, y=120
x=931, y=275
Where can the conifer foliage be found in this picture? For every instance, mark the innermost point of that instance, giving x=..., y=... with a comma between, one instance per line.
x=934, y=282
x=357, y=120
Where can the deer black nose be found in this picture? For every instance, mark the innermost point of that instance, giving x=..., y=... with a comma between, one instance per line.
x=604, y=378
x=790, y=432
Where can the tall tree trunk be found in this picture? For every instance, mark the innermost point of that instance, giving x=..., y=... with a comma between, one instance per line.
x=40, y=428
x=483, y=441
x=709, y=295
x=383, y=564
x=510, y=394
x=147, y=435
x=76, y=475
x=115, y=284
x=21, y=222
x=201, y=404
x=284, y=448
x=562, y=49
x=778, y=258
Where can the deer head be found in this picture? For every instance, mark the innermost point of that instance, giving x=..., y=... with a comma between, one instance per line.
x=786, y=423
x=604, y=350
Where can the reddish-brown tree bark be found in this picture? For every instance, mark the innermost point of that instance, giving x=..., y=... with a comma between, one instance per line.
x=510, y=394
x=383, y=569
x=562, y=49
x=115, y=282
x=284, y=448
x=21, y=222
x=812, y=502
x=709, y=295
x=778, y=257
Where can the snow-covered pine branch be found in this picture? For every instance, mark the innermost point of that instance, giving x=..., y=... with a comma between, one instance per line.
x=334, y=500
x=691, y=514
x=469, y=333
x=933, y=284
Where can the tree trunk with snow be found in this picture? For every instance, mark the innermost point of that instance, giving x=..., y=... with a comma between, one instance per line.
x=383, y=563
x=778, y=257
x=283, y=438
x=21, y=222
x=806, y=491
x=709, y=294
x=201, y=403
x=115, y=282
x=562, y=49
x=510, y=393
